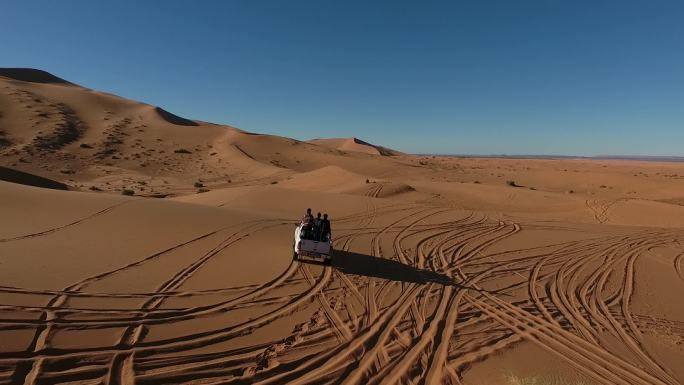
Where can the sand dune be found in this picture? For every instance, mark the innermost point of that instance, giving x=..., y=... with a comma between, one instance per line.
x=328, y=179
x=355, y=145
x=63, y=131
x=445, y=270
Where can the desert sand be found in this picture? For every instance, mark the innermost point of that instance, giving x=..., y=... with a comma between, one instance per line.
x=137, y=246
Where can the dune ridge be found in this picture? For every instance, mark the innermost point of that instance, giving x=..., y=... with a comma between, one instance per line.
x=355, y=145
x=31, y=75
x=174, y=119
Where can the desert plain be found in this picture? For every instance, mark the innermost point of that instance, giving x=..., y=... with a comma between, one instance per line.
x=140, y=247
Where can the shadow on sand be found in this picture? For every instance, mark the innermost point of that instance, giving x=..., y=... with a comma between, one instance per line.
x=360, y=264
x=366, y=265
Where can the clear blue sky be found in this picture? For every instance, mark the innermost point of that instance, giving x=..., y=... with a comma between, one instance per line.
x=473, y=77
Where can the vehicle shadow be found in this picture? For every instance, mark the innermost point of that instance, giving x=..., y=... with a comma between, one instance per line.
x=360, y=264
x=348, y=262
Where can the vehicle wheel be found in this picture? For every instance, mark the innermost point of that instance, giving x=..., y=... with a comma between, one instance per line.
x=294, y=255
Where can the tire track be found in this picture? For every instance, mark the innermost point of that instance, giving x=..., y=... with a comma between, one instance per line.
x=68, y=225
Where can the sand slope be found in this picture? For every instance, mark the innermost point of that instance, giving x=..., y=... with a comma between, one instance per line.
x=335, y=179
x=182, y=283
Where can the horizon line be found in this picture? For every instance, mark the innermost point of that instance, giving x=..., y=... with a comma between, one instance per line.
x=653, y=158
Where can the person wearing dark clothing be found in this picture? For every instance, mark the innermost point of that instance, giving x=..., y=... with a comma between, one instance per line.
x=307, y=224
x=325, y=228
x=317, y=228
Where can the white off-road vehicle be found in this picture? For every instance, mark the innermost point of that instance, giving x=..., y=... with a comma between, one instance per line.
x=318, y=250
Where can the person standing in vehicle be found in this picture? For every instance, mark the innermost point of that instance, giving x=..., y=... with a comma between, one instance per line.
x=317, y=228
x=325, y=228
x=307, y=223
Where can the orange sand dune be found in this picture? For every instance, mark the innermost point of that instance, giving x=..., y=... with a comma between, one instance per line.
x=444, y=270
x=355, y=145
x=63, y=131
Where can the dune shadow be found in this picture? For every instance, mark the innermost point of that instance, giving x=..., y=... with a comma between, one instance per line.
x=20, y=177
x=174, y=119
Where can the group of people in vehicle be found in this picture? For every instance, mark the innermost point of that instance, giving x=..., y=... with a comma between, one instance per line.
x=316, y=229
